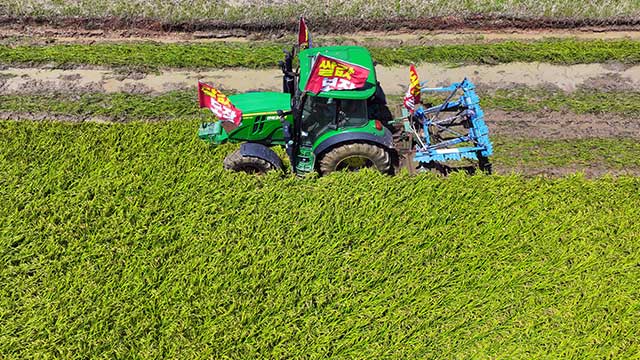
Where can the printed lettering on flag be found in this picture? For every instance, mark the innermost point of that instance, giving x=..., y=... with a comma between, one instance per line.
x=412, y=96
x=304, y=38
x=219, y=103
x=328, y=74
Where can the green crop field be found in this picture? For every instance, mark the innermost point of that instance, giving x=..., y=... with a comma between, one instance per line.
x=131, y=241
x=122, y=236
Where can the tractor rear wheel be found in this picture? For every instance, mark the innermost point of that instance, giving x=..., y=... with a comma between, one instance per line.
x=249, y=164
x=353, y=157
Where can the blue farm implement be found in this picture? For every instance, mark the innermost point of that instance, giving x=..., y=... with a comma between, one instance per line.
x=455, y=130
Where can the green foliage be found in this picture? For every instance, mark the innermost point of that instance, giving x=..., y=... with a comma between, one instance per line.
x=147, y=55
x=556, y=51
x=265, y=55
x=131, y=241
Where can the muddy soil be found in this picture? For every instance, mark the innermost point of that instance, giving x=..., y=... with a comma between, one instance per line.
x=512, y=124
x=42, y=35
x=327, y=25
x=393, y=79
x=558, y=125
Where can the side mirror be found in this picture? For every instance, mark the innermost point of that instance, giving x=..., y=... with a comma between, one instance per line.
x=281, y=115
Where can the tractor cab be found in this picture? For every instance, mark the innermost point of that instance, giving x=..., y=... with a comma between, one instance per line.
x=332, y=119
x=321, y=114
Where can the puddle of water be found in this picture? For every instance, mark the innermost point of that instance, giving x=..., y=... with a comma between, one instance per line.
x=566, y=78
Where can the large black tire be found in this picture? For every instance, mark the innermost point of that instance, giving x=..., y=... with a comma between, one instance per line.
x=484, y=165
x=249, y=164
x=356, y=156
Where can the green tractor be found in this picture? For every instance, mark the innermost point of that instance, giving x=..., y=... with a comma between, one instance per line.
x=326, y=132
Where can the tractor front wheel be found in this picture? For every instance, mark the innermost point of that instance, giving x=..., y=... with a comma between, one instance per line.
x=353, y=157
x=249, y=164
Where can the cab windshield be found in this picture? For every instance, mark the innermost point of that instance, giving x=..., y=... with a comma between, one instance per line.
x=320, y=115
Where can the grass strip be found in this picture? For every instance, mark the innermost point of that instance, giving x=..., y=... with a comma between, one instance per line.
x=123, y=106
x=354, y=12
x=266, y=55
x=607, y=153
x=130, y=240
x=147, y=56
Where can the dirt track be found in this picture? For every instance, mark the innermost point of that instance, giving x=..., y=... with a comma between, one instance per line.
x=512, y=124
x=42, y=34
x=393, y=79
x=329, y=24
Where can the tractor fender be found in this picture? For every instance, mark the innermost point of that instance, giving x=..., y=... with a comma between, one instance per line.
x=385, y=141
x=262, y=152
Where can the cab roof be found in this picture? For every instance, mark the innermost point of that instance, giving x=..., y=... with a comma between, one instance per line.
x=357, y=55
x=253, y=103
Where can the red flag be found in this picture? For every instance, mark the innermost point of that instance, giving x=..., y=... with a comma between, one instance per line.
x=304, y=39
x=412, y=96
x=219, y=103
x=328, y=73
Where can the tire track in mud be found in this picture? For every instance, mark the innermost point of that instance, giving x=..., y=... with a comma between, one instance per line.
x=550, y=125
x=393, y=79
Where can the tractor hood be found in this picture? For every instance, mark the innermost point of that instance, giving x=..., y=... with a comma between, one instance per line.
x=257, y=103
x=259, y=120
